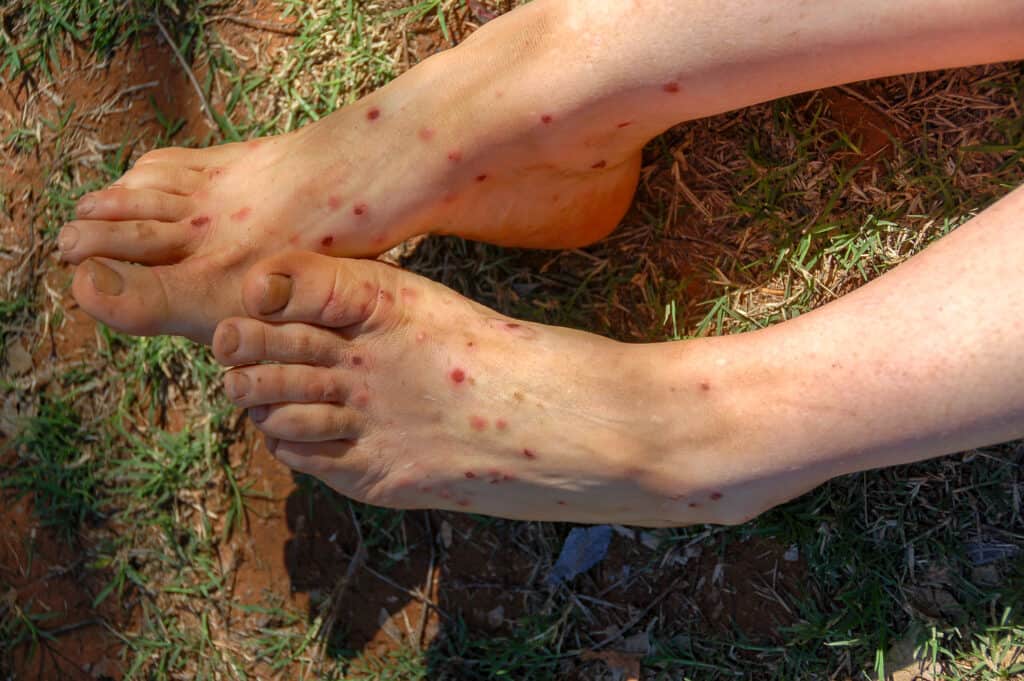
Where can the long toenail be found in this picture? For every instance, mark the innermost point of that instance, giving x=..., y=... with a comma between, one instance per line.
x=258, y=414
x=85, y=206
x=237, y=385
x=104, y=280
x=68, y=238
x=278, y=292
x=229, y=339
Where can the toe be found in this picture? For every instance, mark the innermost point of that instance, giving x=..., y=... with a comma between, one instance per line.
x=162, y=177
x=317, y=422
x=145, y=241
x=245, y=341
x=118, y=203
x=194, y=159
x=276, y=383
x=146, y=301
x=331, y=292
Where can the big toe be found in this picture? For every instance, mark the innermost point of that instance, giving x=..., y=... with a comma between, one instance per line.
x=331, y=292
x=147, y=301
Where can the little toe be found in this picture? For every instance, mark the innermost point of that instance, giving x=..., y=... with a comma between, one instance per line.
x=275, y=383
x=145, y=301
x=195, y=159
x=315, y=422
x=117, y=203
x=162, y=177
x=240, y=340
x=144, y=241
x=321, y=290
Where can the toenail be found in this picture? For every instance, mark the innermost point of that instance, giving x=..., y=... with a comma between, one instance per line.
x=85, y=206
x=278, y=292
x=237, y=385
x=228, y=339
x=68, y=238
x=104, y=280
x=258, y=414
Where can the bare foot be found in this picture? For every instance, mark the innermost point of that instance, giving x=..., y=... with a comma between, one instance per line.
x=405, y=394
x=401, y=162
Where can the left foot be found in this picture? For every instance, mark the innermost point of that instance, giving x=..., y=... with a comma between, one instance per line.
x=404, y=394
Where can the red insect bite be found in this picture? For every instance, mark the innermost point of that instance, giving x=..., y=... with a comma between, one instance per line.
x=478, y=422
x=241, y=214
x=600, y=164
x=715, y=496
x=327, y=241
x=455, y=155
x=501, y=424
x=481, y=178
x=334, y=202
x=529, y=454
x=545, y=119
x=200, y=221
x=373, y=114
x=360, y=209
x=426, y=134
x=458, y=375
x=672, y=87
x=470, y=475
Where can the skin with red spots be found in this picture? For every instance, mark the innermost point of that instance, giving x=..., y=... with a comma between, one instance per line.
x=386, y=296
x=481, y=178
x=705, y=385
x=334, y=202
x=360, y=209
x=600, y=164
x=455, y=155
x=529, y=454
x=357, y=360
x=327, y=241
x=200, y=221
x=715, y=496
x=501, y=424
x=241, y=214
x=458, y=375
x=361, y=400
x=477, y=422
x=672, y=87
x=407, y=293
x=373, y=114
x=426, y=134
x=444, y=494
x=545, y=119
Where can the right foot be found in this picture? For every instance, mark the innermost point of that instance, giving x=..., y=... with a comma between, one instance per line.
x=353, y=184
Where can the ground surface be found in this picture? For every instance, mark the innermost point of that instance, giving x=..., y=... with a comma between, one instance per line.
x=144, y=534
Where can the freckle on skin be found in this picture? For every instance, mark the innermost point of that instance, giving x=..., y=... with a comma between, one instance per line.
x=715, y=496
x=241, y=214
x=478, y=422
x=705, y=385
x=200, y=221
x=458, y=375
x=373, y=114
x=672, y=87
x=359, y=208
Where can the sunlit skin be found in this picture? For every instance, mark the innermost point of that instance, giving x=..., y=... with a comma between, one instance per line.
x=529, y=134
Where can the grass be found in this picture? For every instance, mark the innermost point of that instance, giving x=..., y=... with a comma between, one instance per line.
x=129, y=451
